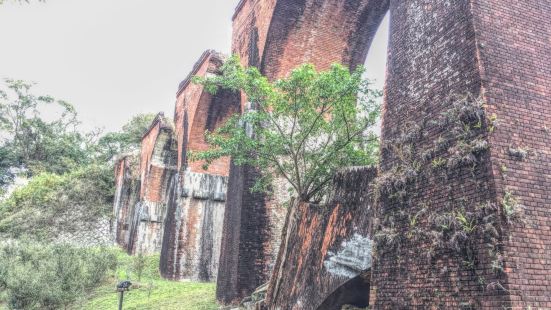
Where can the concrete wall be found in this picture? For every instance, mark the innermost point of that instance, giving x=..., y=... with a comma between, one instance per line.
x=191, y=247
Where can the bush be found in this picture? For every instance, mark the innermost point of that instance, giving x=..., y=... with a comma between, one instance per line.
x=50, y=204
x=139, y=265
x=137, y=268
x=37, y=276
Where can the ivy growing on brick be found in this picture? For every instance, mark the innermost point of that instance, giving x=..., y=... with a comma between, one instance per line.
x=460, y=228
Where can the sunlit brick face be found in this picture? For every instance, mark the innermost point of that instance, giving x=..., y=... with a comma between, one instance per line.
x=197, y=112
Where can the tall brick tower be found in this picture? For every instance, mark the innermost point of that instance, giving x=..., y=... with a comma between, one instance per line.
x=496, y=51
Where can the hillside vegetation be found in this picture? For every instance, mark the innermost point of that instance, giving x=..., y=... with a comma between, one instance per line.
x=78, y=278
x=53, y=225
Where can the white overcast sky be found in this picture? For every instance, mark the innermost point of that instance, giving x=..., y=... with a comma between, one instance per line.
x=116, y=58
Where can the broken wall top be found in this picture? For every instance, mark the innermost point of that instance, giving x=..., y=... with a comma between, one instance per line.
x=325, y=246
x=198, y=111
x=158, y=151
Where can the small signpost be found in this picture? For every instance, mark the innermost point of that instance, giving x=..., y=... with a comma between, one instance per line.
x=123, y=287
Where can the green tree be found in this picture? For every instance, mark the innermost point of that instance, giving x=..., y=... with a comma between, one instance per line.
x=72, y=180
x=28, y=140
x=302, y=128
x=130, y=138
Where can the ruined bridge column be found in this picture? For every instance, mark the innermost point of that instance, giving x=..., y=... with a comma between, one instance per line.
x=497, y=51
x=127, y=190
x=157, y=166
x=277, y=36
x=196, y=202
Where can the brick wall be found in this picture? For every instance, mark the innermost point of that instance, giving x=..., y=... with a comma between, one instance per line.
x=494, y=50
x=326, y=247
x=251, y=21
x=514, y=42
x=157, y=167
x=196, y=199
x=321, y=32
x=188, y=92
x=198, y=111
x=246, y=233
x=277, y=36
x=432, y=56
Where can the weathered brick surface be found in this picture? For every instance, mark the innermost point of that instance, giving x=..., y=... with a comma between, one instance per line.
x=127, y=190
x=277, y=36
x=251, y=21
x=245, y=256
x=499, y=50
x=196, y=201
x=157, y=167
x=432, y=56
x=198, y=111
x=325, y=248
x=514, y=42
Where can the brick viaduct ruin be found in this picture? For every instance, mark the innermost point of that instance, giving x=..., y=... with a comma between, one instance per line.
x=391, y=237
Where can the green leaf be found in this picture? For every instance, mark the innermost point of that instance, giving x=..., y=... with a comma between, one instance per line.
x=306, y=126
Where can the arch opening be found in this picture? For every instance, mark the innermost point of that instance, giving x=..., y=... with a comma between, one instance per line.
x=353, y=293
x=377, y=54
x=376, y=61
x=211, y=113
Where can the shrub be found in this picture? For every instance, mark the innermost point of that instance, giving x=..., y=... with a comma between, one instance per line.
x=139, y=264
x=50, y=204
x=50, y=276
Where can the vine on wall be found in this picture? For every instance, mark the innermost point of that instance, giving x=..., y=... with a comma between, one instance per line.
x=459, y=227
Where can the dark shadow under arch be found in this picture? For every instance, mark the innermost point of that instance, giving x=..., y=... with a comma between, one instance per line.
x=354, y=292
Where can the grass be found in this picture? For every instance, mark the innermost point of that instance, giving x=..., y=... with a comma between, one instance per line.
x=149, y=292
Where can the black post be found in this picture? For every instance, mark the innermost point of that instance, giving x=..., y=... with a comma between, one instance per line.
x=120, y=300
x=121, y=287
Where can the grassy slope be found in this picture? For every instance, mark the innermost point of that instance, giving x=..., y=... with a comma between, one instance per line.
x=151, y=292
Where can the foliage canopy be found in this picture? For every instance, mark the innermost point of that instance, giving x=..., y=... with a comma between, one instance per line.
x=302, y=128
x=129, y=138
x=29, y=140
x=71, y=172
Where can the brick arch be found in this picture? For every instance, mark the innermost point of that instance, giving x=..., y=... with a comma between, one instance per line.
x=212, y=111
x=282, y=34
x=492, y=48
x=157, y=166
x=321, y=32
x=197, y=111
x=158, y=153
